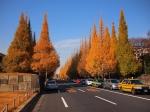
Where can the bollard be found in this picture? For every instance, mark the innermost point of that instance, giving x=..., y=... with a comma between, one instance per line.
x=14, y=103
x=25, y=96
x=6, y=107
x=19, y=100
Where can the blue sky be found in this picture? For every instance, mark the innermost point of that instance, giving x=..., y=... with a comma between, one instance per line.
x=71, y=20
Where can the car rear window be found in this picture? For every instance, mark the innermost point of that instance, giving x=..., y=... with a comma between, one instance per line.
x=90, y=79
x=51, y=82
x=114, y=81
x=100, y=81
x=136, y=82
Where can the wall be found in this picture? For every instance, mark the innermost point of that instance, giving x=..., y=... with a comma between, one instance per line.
x=18, y=81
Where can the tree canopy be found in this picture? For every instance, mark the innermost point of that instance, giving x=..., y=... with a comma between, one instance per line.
x=45, y=57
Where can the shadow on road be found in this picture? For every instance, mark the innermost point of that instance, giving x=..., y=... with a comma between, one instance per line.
x=61, y=88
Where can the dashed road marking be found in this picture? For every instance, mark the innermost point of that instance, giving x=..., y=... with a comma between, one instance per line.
x=125, y=94
x=106, y=100
x=64, y=102
x=81, y=90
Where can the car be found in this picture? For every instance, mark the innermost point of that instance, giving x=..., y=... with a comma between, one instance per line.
x=51, y=85
x=98, y=83
x=71, y=82
x=134, y=86
x=77, y=81
x=111, y=84
x=83, y=81
x=88, y=82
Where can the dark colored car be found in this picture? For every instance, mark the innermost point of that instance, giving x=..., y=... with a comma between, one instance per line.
x=51, y=85
x=83, y=82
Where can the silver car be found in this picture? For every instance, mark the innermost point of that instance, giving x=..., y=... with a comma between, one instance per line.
x=111, y=84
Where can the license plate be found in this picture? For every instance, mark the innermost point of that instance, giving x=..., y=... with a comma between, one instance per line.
x=145, y=90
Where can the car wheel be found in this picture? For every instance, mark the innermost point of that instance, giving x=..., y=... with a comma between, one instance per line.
x=121, y=89
x=133, y=91
x=111, y=88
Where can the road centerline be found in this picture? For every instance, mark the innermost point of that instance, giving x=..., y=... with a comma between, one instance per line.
x=106, y=100
x=64, y=102
x=81, y=90
x=126, y=94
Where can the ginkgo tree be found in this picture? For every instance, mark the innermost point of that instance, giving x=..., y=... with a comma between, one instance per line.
x=127, y=62
x=69, y=69
x=18, y=58
x=84, y=49
x=103, y=54
x=45, y=58
x=63, y=73
x=94, y=59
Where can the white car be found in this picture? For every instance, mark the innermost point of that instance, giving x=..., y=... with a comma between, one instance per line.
x=88, y=82
x=51, y=85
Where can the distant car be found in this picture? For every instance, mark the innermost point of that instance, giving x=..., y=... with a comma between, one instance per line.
x=98, y=83
x=77, y=81
x=51, y=85
x=88, y=82
x=111, y=84
x=83, y=82
x=71, y=82
x=134, y=86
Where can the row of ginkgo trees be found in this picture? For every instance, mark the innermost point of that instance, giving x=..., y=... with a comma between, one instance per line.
x=103, y=55
x=25, y=55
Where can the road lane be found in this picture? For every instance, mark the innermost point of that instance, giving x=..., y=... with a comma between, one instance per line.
x=87, y=99
x=116, y=92
x=83, y=102
x=50, y=102
x=124, y=103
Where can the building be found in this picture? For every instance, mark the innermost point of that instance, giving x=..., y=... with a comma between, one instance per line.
x=141, y=47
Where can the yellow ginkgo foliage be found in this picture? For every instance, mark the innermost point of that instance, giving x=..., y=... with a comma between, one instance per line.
x=94, y=57
x=45, y=58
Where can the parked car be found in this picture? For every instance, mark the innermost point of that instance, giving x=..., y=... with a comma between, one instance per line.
x=98, y=83
x=88, y=82
x=51, y=85
x=71, y=82
x=134, y=86
x=77, y=81
x=83, y=82
x=111, y=84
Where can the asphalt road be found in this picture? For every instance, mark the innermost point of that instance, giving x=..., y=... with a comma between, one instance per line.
x=89, y=99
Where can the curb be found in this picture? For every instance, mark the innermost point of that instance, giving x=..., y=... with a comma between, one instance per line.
x=26, y=105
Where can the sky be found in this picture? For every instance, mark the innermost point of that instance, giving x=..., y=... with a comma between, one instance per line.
x=71, y=20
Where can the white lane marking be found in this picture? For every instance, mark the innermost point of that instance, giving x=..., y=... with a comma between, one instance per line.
x=106, y=100
x=126, y=94
x=64, y=102
x=81, y=90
